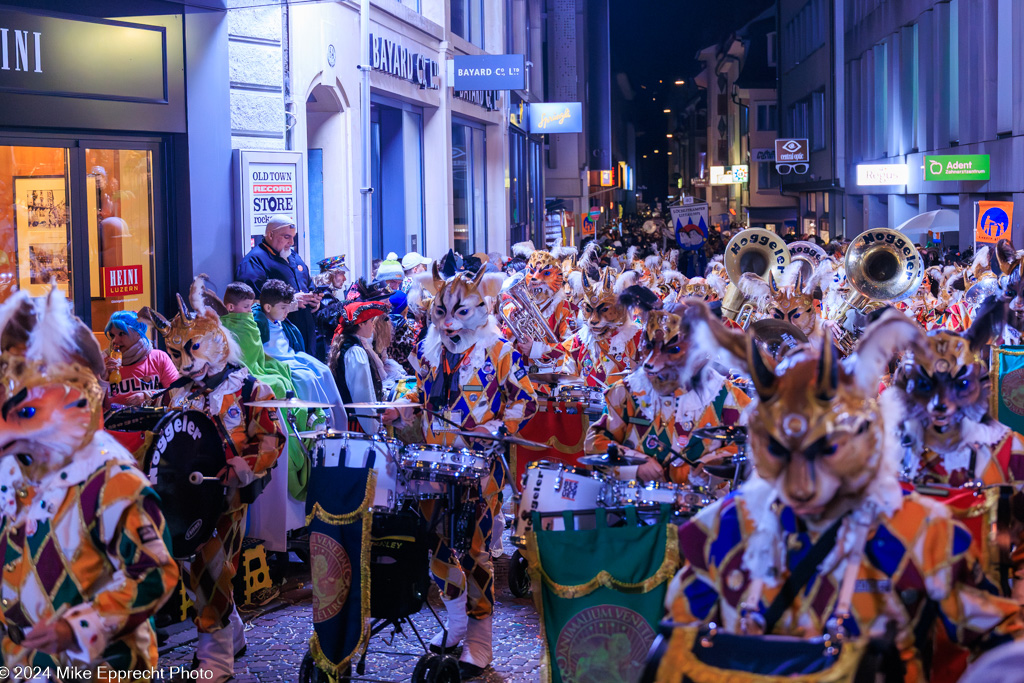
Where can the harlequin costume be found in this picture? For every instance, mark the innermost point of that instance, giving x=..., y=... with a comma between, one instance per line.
x=214, y=383
x=470, y=375
x=826, y=450
x=83, y=543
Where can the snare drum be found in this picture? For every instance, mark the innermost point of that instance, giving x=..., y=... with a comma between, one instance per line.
x=353, y=449
x=592, y=398
x=554, y=487
x=685, y=499
x=434, y=463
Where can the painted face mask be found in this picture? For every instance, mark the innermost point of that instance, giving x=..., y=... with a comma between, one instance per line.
x=664, y=346
x=196, y=341
x=460, y=309
x=602, y=313
x=51, y=401
x=789, y=302
x=945, y=379
x=544, y=276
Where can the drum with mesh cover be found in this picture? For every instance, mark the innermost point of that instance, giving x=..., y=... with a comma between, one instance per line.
x=185, y=443
x=399, y=564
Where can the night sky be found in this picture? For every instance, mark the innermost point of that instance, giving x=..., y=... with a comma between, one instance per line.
x=654, y=40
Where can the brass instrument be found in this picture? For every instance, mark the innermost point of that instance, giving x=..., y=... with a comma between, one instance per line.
x=756, y=251
x=525, y=320
x=882, y=267
x=982, y=289
x=808, y=254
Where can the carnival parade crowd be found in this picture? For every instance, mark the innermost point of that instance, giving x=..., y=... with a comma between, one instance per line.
x=820, y=435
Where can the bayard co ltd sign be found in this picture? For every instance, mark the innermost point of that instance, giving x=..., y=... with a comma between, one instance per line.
x=391, y=58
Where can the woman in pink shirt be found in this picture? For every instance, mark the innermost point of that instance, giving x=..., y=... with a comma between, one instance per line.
x=145, y=371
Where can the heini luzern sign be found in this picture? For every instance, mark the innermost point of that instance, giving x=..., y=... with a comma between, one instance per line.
x=957, y=167
x=881, y=174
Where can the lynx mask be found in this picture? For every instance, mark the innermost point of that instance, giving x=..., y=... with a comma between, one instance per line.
x=460, y=309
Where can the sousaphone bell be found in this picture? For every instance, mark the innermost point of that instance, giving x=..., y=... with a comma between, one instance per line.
x=755, y=251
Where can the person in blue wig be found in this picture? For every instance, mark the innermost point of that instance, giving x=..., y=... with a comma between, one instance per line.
x=144, y=371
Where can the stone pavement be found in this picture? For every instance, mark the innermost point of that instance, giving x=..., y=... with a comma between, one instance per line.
x=278, y=635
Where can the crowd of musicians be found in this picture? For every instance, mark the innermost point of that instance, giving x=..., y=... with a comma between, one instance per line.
x=826, y=414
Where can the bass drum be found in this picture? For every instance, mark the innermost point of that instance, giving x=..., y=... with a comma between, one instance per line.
x=184, y=443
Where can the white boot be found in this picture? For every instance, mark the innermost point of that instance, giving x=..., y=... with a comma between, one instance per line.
x=215, y=654
x=237, y=627
x=497, y=531
x=477, y=653
x=455, y=624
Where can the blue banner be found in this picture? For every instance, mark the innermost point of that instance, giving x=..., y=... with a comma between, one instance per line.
x=489, y=72
x=1007, y=398
x=556, y=117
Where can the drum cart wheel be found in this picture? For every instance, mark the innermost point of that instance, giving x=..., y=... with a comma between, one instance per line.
x=436, y=669
x=518, y=575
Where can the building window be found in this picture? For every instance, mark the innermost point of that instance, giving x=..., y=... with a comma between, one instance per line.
x=798, y=119
x=817, y=127
x=1004, y=82
x=468, y=20
x=804, y=33
x=396, y=153
x=767, y=117
x=771, y=48
x=469, y=199
x=767, y=177
x=953, y=90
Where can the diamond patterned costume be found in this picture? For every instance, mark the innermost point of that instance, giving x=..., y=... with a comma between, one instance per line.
x=486, y=386
x=89, y=540
x=259, y=439
x=917, y=557
x=595, y=360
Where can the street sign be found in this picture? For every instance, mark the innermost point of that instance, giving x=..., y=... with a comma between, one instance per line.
x=762, y=154
x=995, y=222
x=556, y=117
x=791, y=151
x=957, y=167
x=690, y=224
x=489, y=72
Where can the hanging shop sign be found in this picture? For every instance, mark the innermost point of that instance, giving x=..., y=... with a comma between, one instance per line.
x=957, y=167
x=791, y=151
x=556, y=117
x=881, y=174
x=389, y=57
x=489, y=72
x=762, y=154
x=268, y=183
x=730, y=175
x=995, y=222
x=122, y=280
x=94, y=59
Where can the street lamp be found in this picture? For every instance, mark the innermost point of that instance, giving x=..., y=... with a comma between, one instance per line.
x=666, y=111
x=680, y=82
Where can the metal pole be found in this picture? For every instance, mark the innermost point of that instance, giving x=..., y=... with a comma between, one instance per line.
x=366, y=190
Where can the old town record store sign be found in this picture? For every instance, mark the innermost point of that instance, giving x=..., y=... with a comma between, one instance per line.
x=391, y=58
x=90, y=59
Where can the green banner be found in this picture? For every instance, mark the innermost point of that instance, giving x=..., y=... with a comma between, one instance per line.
x=957, y=167
x=1008, y=391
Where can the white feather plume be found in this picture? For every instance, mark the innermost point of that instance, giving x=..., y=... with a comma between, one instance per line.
x=53, y=337
x=893, y=332
x=653, y=262
x=576, y=281
x=674, y=276
x=755, y=289
x=625, y=280
x=630, y=256
x=788, y=278
x=587, y=258
x=523, y=249
x=823, y=276
x=717, y=283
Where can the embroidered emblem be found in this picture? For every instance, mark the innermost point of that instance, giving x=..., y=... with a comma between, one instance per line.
x=332, y=576
x=603, y=643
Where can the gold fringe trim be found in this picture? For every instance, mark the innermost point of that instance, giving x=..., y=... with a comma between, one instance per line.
x=679, y=662
x=665, y=572
x=365, y=515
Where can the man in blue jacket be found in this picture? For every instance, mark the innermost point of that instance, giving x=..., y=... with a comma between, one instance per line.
x=275, y=259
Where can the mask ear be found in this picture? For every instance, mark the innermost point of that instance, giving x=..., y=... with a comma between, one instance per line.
x=892, y=333
x=1003, y=256
x=436, y=276
x=183, y=311
x=764, y=377
x=773, y=283
x=828, y=372
x=988, y=323
x=154, y=319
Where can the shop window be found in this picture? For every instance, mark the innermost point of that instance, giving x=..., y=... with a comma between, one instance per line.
x=767, y=117
x=468, y=188
x=767, y=177
x=119, y=201
x=467, y=17
x=396, y=164
x=35, y=223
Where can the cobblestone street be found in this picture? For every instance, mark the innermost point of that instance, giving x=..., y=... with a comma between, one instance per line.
x=278, y=633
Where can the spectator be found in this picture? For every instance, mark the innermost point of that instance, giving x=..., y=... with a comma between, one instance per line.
x=275, y=259
x=145, y=371
x=330, y=283
x=390, y=272
x=358, y=369
x=283, y=341
x=413, y=263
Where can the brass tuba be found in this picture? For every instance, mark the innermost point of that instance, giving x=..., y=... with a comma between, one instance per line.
x=525, y=319
x=756, y=251
x=882, y=267
x=808, y=255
